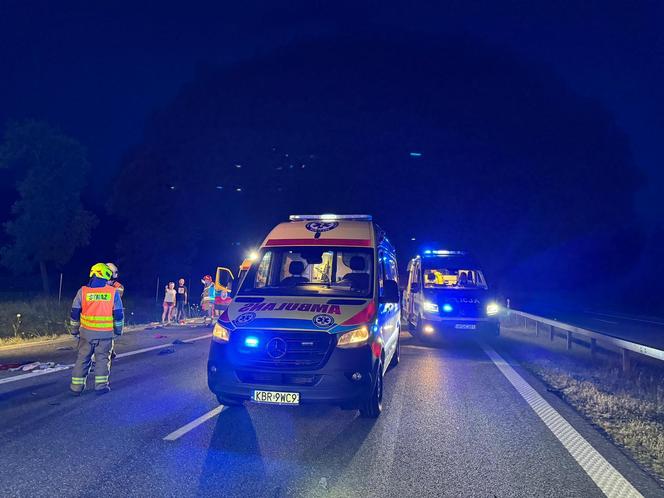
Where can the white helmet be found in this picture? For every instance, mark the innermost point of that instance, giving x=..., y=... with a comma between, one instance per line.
x=114, y=269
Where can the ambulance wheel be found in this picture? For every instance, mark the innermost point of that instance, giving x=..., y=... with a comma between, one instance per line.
x=223, y=400
x=373, y=404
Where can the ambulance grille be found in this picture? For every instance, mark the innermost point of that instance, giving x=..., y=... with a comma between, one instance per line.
x=303, y=350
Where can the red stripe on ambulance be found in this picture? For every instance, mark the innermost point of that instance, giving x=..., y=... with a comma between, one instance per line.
x=319, y=242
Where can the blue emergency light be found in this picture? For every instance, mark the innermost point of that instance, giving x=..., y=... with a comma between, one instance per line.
x=447, y=308
x=251, y=341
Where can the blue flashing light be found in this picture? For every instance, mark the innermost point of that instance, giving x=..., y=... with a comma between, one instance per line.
x=415, y=154
x=251, y=341
x=428, y=251
x=447, y=308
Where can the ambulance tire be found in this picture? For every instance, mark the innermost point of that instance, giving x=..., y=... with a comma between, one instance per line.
x=373, y=404
x=230, y=402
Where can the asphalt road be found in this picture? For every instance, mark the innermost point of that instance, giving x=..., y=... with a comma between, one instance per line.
x=643, y=330
x=453, y=425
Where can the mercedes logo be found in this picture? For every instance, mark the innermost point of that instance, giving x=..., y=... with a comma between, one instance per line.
x=276, y=348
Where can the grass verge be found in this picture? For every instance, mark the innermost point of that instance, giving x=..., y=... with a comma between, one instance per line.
x=628, y=408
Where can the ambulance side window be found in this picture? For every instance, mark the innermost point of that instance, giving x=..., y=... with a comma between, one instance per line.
x=381, y=273
x=415, y=273
x=391, y=272
x=263, y=271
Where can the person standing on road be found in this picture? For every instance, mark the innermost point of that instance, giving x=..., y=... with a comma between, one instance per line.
x=169, y=303
x=181, y=300
x=97, y=317
x=113, y=282
x=207, y=299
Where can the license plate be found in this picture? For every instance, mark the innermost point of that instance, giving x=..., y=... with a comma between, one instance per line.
x=276, y=397
x=465, y=326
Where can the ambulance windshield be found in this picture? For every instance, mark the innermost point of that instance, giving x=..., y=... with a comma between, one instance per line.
x=311, y=271
x=439, y=276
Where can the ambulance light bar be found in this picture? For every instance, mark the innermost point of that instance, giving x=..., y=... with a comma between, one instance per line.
x=443, y=252
x=330, y=217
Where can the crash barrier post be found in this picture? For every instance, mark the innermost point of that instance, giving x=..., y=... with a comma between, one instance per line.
x=588, y=338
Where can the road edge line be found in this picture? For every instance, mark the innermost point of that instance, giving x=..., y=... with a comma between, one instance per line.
x=607, y=478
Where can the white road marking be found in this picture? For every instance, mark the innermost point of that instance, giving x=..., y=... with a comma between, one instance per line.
x=29, y=375
x=413, y=346
x=194, y=423
x=161, y=346
x=605, y=321
x=608, y=479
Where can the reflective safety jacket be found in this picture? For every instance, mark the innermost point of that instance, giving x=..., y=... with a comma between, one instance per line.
x=97, y=310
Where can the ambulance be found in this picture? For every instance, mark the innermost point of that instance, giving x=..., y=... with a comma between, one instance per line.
x=447, y=294
x=316, y=318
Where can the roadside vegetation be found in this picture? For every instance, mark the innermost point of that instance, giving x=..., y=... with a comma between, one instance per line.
x=42, y=318
x=628, y=408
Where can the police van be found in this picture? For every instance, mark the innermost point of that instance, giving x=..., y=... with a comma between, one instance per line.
x=447, y=294
x=316, y=318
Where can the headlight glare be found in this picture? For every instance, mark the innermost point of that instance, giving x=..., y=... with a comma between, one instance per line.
x=492, y=309
x=352, y=338
x=220, y=333
x=430, y=307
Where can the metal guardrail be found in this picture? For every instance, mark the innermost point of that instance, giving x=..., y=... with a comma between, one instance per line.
x=572, y=332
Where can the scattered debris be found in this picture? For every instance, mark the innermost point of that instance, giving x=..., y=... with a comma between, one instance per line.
x=10, y=366
x=65, y=348
x=323, y=482
x=160, y=336
x=166, y=351
x=39, y=365
x=180, y=341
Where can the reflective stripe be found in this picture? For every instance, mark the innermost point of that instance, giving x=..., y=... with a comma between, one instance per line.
x=99, y=378
x=94, y=318
x=101, y=327
x=77, y=380
x=119, y=324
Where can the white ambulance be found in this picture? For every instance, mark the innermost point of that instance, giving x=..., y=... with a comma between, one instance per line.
x=316, y=319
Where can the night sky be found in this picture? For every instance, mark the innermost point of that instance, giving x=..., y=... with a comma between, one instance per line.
x=100, y=73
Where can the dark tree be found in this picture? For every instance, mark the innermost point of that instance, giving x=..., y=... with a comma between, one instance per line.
x=49, y=220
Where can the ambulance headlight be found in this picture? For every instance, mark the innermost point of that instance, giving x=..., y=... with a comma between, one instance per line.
x=492, y=309
x=353, y=338
x=430, y=307
x=220, y=333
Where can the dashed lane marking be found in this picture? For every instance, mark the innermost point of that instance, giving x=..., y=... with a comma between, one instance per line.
x=38, y=373
x=608, y=479
x=176, y=434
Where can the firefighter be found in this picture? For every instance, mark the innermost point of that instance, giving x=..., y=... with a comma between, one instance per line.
x=96, y=318
x=113, y=282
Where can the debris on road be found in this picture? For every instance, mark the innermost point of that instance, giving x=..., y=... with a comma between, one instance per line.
x=29, y=366
x=166, y=351
x=10, y=366
x=65, y=348
x=160, y=336
x=180, y=341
